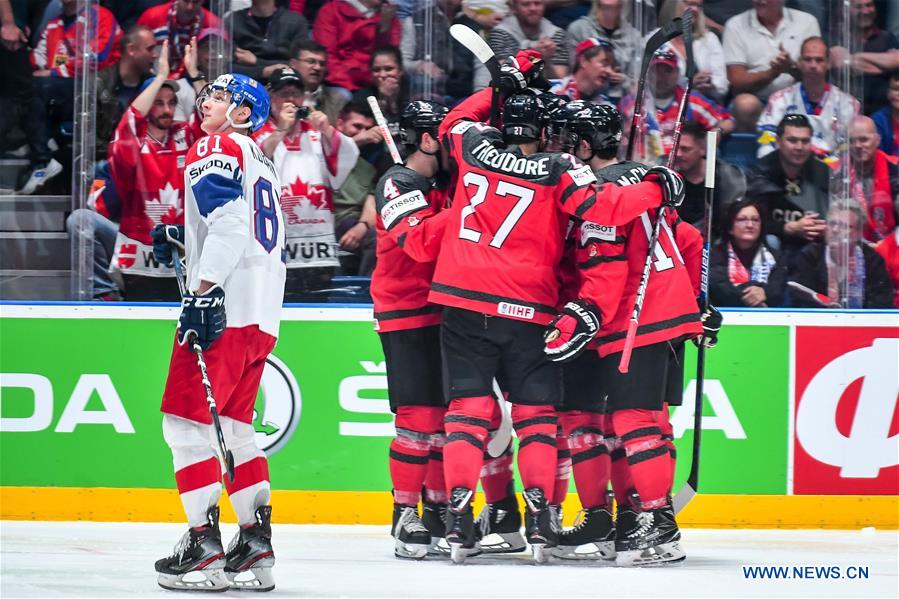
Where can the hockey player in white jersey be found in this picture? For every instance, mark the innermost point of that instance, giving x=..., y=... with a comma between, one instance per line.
x=233, y=239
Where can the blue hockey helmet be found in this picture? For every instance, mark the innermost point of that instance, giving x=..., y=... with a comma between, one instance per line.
x=245, y=91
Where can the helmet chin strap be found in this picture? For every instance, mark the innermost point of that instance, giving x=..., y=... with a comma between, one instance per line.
x=230, y=123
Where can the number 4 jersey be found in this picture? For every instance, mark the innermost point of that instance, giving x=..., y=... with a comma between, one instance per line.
x=505, y=232
x=234, y=230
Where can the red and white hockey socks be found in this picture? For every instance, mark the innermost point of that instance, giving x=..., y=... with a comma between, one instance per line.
x=589, y=456
x=198, y=473
x=251, y=487
x=410, y=450
x=563, y=468
x=435, y=484
x=668, y=437
x=466, y=423
x=536, y=428
x=648, y=455
x=496, y=473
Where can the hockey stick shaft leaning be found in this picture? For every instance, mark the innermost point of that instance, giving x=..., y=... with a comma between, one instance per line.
x=385, y=130
x=691, y=487
x=225, y=454
x=658, y=39
x=687, y=27
x=484, y=53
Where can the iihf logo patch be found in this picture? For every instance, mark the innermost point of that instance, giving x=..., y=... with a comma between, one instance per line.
x=413, y=220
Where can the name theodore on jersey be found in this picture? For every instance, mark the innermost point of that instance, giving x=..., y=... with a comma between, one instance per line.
x=510, y=163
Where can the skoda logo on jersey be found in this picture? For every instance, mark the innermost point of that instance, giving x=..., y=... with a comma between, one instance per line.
x=278, y=407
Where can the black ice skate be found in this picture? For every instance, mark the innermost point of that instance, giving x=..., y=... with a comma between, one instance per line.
x=198, y=560
x=433, y=516
x=539, y=525
x=250, y=557
x=591, y=538
x=412, y=538
x=653, y=539
x=499, y=526
x=460, y=529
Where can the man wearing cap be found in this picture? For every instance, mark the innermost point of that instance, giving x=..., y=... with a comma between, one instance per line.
x=526, y=28
x=146, y=160
x=667, y=94
x=594, y=60
x=313, y=159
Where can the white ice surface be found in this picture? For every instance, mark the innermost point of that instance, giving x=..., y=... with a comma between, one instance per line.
x=86, y=559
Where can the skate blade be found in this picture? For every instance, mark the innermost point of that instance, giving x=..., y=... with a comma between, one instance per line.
x=257, y=579
x=410, y=550
x=438, y=547
x=598, y=550
x=542, y=552
x=504, y=542
x=208, y=580
x=665, y=553
x=459, y=554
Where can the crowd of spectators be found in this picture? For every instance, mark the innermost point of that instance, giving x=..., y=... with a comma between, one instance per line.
x=766, y=72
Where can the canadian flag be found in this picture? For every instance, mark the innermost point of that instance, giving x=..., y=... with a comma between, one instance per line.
x=127, y=255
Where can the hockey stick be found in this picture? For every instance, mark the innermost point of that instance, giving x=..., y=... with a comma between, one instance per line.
x=498, y=444
x=477, y=46
x=385, y=130
x=225, y=454
x=691, y=487
x=687, y=25
x=656, y=41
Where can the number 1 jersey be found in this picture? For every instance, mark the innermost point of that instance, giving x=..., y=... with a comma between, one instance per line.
x=234, y=229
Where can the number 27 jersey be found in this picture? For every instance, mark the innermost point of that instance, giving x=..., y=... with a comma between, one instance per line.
x=234, y=229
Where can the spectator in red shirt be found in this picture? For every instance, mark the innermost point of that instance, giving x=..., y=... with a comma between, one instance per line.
x=178, y=22
x=146, y=160
x=54, y=61
x=351, y=30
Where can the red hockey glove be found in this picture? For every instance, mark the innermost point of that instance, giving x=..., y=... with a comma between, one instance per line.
x=529, y=62
x=570, y=332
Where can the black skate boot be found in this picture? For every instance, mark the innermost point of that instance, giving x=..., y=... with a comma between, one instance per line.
x=412, y=538
x=539, y=525
x=591, y=538
x=250, y=557
x=652, y=539
x=198, y=561
x=433, y=516
x=499, y=526
x=460, y=529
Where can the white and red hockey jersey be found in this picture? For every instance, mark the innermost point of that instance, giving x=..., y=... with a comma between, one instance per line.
x=234, y=229
x=309, y=177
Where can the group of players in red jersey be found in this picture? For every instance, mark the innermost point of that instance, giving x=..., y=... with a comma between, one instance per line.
x=501, y=276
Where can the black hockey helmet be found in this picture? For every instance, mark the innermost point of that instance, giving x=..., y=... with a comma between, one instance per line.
x=420, y=116
x=597, y=124
x=558, y=119
x=524, y=118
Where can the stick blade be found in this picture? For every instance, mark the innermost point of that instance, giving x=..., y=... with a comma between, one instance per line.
x=683, y=497
x=498, y=444
x=473, y=41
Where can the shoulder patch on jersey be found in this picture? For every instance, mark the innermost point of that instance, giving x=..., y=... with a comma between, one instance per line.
x=405, y=204
x=594, y=232
x=582, y=176
x=462, y=127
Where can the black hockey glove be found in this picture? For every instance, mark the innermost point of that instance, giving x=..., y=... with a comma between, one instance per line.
x=165, y=237
x=670, y=181
x=711, y=324
x=570, y=332
x=511, y=80
x=203, y=317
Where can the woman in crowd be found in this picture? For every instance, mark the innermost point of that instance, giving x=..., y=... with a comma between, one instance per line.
x=743, y=270
x=389, y=83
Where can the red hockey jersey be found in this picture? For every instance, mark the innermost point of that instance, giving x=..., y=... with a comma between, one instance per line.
x=611, y=259
x=506, y=228
x=56, y=51
x=410, y=223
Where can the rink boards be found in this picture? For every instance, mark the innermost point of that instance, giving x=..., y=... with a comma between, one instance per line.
x=800, y=426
